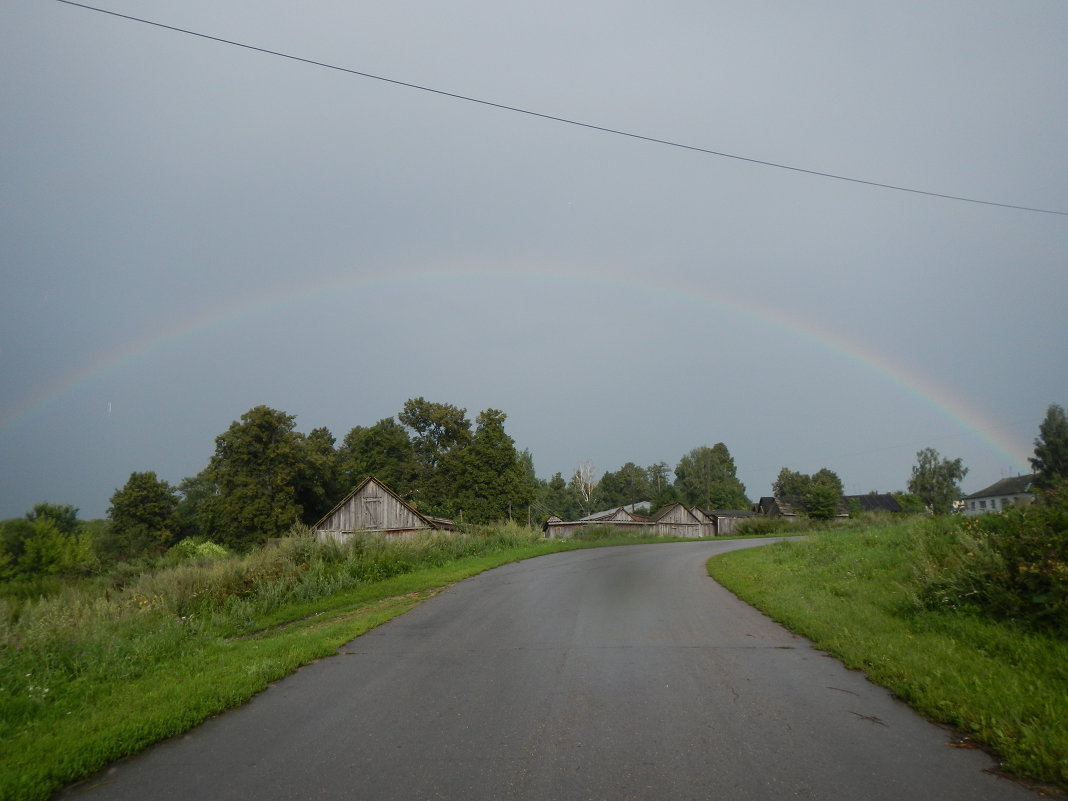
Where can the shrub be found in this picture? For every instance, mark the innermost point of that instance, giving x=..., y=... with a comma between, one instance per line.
x=197, y=548
x=1012, y=565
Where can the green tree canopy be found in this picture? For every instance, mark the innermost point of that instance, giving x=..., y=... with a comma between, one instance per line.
x=488, y=479
x=706, y=477
x=64, y=516
x=384, y=451
x=819, y=495
x=791, y=485
x=48, y=549
x=935, y=481
x=1050, y=461
x=319, y=486
x=142, y=516
x=439, y=428
x=258, y=464
x=629, y=484
x=824, y=495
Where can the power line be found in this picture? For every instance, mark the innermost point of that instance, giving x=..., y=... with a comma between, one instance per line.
x=565, y=120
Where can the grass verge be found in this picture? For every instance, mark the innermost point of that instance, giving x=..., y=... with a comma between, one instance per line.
x=93, y=677
x=853, y=593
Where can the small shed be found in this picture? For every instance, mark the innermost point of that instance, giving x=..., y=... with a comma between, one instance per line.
x=727, y=519
x=371, y=507
x=619, y=517
x=678, y=521
x=793, y=509
x=778, y=507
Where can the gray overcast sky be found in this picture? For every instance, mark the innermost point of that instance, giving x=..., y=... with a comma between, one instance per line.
x=191, y=229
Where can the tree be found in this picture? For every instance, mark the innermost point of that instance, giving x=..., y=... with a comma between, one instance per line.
x=48, y=549
x=554, y=497
x=584, y=484
x=258, y=464
x=489, y=480
x=934, y=481
x=824, y=495
x=1050, y=461
x=384, y=451
x=439, y=428
x=706, y=477
x=818, y=495
x=319, y=486
x=629, y=484
x=64, y=516
x=791, y=485
x=142, y=516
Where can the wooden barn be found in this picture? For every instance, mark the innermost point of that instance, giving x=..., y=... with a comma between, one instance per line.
x=678, y=521
x=620, y=517
x=373, y=508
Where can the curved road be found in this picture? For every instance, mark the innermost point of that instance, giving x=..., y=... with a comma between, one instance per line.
x=609, y=674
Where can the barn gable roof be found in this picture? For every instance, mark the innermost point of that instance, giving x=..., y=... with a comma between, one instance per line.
x=675, y=513
x=371, y=481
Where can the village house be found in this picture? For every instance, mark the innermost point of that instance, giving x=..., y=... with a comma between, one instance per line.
x=372, y=507
x=1008, y=492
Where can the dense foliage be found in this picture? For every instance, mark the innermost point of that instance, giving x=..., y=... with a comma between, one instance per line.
x=1050, y=462
x=935, y=481
x=1012, y=565
x=818, y=495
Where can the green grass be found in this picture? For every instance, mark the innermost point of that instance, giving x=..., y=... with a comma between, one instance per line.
x=103, y=668
x=854, y=594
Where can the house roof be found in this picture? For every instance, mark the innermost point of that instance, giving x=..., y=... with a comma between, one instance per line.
x=619, y=512
x=733, y=513
x=1007, y=486
x=431, y=522
x=875, y=502
x=667, y=510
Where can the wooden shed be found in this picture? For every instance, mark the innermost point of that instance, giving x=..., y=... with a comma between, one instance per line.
x=619, y=517
x=678, y=521
x=727, y=520
x=373, y=508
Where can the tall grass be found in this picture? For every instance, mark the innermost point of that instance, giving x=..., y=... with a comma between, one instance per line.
x=71, y=661
x=860, y=594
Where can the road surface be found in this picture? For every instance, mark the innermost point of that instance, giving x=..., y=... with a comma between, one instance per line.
x=608, y=674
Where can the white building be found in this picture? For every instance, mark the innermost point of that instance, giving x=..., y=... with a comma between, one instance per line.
x=1004, y=494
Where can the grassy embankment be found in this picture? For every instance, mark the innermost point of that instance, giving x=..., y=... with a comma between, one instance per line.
x=865, y=595
x=110, y=665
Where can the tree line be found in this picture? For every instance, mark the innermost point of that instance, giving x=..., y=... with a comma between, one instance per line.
x=265, y=476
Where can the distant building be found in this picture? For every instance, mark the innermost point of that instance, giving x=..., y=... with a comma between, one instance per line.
x=373, y=508
x=673, y=521
x=874, y=502
x=1001, y=495
x=727, y=520
x=618, y=517
x=792, y=508
x=678, y=521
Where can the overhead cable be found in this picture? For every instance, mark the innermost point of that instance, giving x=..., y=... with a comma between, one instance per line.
x=565, y=120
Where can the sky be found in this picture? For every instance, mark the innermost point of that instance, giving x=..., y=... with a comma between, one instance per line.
x=190, y=229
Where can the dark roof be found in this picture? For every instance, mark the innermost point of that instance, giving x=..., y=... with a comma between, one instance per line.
x=733, y=513
x=1007, y=486
x=873, y=502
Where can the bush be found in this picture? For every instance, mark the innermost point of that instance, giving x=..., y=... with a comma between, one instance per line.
x=197, y=548
x=1012, y=565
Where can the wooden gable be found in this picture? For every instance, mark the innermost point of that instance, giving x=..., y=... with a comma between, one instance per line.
x=372, y=507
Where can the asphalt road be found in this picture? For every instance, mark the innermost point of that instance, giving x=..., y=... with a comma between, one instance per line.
x=610, y=674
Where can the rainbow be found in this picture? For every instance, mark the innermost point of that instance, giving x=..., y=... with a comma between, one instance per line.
x=276, y=298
